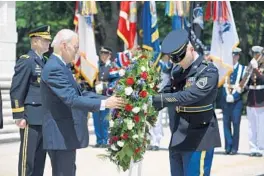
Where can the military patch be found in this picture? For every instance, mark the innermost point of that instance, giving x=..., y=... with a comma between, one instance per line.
x=201, y=83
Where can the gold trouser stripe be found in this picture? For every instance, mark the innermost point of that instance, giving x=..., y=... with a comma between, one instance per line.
x=24, y=154
x=202, y=163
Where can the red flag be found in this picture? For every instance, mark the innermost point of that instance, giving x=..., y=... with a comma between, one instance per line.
x=127, y=23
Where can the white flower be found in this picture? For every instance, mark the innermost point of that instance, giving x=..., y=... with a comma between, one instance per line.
x=128, y=91
x=136, y=110
x=134, y=58
x=113, y=147
x=130, y=124
x=151, y=85
x=120, y=143
x=141, y=135
x=145, y=107
x=143, y=68
x=135, y=136
x=111, y=123
x=122, y=72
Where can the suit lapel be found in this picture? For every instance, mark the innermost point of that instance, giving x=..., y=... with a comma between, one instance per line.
x=69, y=74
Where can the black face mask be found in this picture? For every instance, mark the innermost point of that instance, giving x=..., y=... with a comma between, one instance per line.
x=176, y=58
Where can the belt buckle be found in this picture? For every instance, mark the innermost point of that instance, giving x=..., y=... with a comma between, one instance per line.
x=177, y=109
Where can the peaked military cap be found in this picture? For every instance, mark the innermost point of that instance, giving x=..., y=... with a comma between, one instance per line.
x=236, y=51
x=106, y=50
x=257, y=49
x=41, y=31
x=175, y=44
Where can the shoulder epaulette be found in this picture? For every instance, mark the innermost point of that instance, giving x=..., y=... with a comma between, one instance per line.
x=25, y=56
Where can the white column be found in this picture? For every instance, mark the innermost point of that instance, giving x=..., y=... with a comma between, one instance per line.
x=8, y=40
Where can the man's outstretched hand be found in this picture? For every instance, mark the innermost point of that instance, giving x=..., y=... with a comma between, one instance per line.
x=114, y=102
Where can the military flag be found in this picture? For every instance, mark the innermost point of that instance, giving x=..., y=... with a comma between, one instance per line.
x=127, y=24
x=224, y=37
x=149, y=30
x=86, y=64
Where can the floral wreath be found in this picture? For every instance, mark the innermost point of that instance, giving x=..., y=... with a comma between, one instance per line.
x=129, y=127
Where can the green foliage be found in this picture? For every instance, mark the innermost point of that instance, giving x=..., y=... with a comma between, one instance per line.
x=57, y=14
x=248, y=17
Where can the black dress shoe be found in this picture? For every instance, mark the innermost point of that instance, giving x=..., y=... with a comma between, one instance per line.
x=233, y=153
x=150, y=147
x=97, y=145
x=227, y=152
x=104, y=146
x=252, y=154
x=258, y=154
x=155, y=148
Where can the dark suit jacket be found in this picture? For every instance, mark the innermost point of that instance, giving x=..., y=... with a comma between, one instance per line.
x=1, y=112
x=65, y=108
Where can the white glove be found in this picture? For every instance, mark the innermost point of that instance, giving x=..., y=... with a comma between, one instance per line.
x=238, y=89
x=99, y=88
x=230, y=98
x=254, y=63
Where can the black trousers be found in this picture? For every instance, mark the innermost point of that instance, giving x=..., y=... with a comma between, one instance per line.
x=32, y=156
x=63, y=162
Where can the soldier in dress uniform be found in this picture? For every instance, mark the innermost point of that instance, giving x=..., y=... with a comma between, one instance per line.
x=196, y=133
x=26, y=103
x=101, y=123
x=1, y=111
x=255, y=104
x=232, y=105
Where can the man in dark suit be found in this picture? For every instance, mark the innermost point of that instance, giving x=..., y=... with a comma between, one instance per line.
x=65, y=107
x=1, y=112
x=26, y=103
x=196, y=134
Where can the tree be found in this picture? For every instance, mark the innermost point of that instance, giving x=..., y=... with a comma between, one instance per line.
x=34, y=13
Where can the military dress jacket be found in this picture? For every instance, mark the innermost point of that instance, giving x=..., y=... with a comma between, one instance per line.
x=256, y=88
x=197, y=126
x=25, y=89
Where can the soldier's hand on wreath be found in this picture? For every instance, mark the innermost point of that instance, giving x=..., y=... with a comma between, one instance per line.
x=21, y=123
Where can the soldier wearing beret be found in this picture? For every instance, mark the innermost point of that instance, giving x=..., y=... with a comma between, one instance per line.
x=195, y=133
x=26, y=103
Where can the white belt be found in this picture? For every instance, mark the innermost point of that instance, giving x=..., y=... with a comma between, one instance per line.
x=230, y=86
x=258, y=87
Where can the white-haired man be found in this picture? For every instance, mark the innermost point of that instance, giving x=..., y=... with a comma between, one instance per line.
x=65, y=107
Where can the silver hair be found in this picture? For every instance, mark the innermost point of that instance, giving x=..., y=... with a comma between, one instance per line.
x=64, y=35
